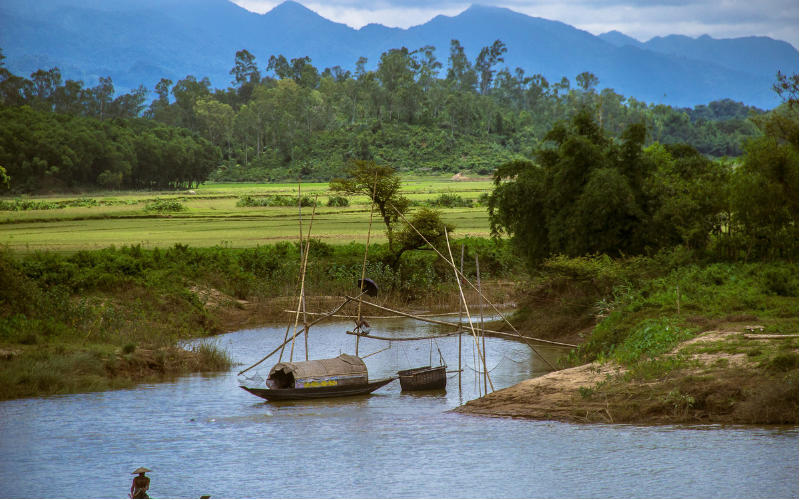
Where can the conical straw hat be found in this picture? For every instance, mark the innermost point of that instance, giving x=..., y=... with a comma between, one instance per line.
x=141, y=470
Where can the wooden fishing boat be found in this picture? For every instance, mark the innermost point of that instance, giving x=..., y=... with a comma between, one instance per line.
x=424, y=378
x=345, y=375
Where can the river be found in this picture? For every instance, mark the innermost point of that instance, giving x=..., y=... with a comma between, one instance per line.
x=203, y=435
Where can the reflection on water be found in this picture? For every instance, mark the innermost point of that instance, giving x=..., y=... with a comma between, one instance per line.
x=201, y=434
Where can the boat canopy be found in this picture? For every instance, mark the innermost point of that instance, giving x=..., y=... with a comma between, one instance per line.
x=342, y=370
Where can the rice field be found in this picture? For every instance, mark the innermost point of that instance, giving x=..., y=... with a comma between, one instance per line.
x=212, y=218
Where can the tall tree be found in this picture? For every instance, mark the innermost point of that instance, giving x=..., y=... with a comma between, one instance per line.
x=245, y=69
x=381, y=183
x=280, y=66
x=427, y=66
x=217, y=119
x=69, y=98
x=99, y=98
x=130, y=105
x=42, y=88
x=764, y=189
x=486, y=61
x=245, y=75
x=187, y=92
x=460, y=73
x=396, y=72
x=582, y=193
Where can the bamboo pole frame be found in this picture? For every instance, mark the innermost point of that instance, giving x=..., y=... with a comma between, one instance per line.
x=460, y=310
x=457, y=326
x=452, y=264
x=483, y=330
x=303, y=286
x=366, y=250
x=481, y=355
x=330, y=314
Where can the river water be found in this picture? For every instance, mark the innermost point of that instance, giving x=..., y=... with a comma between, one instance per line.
x=203, y=435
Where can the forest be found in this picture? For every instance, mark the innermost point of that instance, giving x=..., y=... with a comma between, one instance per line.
x=287, y=119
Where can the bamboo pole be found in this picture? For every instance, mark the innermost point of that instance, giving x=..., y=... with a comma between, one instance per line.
x=376, y=352
x=366, y=250
x=463, y=298
x=483, y=332
x=300, y=218
x=308, y=252
x=296, y=291
x=460, y=310
x=402, y=339
x=303, y=287
x=285, y=340
x=456, y=325
x=366, y=316
x=452, y=264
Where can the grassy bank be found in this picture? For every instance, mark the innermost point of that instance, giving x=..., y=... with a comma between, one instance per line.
x=664, y=339
x=96, y=320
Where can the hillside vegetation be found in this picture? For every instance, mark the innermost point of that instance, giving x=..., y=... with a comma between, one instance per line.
x=287, y=119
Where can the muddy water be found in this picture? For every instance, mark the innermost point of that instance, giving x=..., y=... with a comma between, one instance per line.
x=202, y=435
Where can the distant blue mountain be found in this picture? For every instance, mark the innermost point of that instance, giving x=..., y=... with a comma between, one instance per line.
x=754, y=55
x=140, y=41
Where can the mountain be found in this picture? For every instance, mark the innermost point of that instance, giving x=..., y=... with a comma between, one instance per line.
x=755, y=55
x=140, y=41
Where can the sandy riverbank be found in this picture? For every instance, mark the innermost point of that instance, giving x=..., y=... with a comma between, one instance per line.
x=716, y=378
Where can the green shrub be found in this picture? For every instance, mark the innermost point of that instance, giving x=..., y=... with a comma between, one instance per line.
x=338, y=201
x=650, y=338
x=275, y=201
x=780, y=281
x=783, y=362
x=160, y=206
x=449, y=200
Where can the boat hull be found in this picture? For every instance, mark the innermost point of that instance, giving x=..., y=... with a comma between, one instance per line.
x=423, y=379
x=317, y=392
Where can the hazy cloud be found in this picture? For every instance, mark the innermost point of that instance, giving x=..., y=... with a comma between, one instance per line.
x=640, y=19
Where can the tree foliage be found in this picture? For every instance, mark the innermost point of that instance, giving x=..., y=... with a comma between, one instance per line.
x=40, y=149
x=292, y=120
x=585, y=193
x=764, y=189
x=380, y=183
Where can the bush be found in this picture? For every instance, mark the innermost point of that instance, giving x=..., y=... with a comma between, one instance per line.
x=449, y=200
x=338, y=201
x=783, y=362
x=780, y=281
x=651, y=338
x=160, y=206
x=275, y=201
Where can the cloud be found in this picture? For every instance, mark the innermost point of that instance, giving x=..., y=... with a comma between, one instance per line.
x=640, y=19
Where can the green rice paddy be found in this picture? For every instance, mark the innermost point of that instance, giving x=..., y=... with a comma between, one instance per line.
x=213, y=218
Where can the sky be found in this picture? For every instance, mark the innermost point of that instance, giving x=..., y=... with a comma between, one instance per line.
x=640, y=19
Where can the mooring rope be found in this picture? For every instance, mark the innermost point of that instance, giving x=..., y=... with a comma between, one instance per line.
x=480, y=371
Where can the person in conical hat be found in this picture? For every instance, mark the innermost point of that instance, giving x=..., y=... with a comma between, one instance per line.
x=141, y=483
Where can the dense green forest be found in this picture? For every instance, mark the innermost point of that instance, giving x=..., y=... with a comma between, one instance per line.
x=585, y=193
x=292, y=120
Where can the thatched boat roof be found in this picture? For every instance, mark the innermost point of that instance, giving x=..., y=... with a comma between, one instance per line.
x=343, y=365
